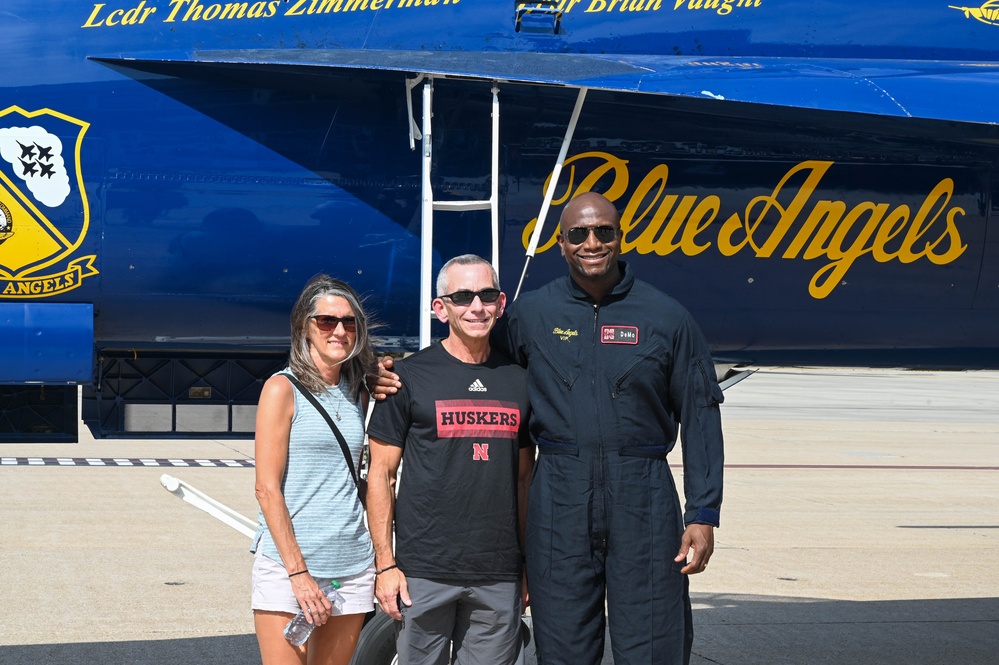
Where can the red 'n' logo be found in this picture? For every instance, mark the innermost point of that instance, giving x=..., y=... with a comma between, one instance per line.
x=480, y=452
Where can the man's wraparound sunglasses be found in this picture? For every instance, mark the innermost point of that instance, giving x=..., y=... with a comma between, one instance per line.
x=329, y=323
x=465, y=297
x=578, y=234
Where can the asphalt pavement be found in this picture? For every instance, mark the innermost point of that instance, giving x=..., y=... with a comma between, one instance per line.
x=860, y=524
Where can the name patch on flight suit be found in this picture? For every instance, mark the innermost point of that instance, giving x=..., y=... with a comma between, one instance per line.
x=619, y=335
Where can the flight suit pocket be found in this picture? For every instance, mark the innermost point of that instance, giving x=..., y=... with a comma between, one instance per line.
x=707, y=392
x=548, y=447
x=564, y=366
x=552, y=380
x=643, y=369
x=637, y=389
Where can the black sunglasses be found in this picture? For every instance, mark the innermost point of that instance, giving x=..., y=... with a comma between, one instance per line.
x=329, y=323
x=465, y=297
x=578, y=235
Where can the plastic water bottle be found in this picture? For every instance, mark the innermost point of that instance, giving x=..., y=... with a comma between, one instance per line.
x=298, y=629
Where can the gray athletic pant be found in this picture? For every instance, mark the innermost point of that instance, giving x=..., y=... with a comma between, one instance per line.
x=481, y=619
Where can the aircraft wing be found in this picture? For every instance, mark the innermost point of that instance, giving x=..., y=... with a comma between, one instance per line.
x=932, y=89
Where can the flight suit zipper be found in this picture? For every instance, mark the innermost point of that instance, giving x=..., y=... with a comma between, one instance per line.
x=599, y=470
x=623, y=376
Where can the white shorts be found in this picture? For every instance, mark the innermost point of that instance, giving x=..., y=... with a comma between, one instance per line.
x=272, y=589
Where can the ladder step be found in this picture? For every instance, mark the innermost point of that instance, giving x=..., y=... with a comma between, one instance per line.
x=462, y=205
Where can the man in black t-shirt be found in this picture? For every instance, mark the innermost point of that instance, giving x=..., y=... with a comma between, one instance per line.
x=459, y=423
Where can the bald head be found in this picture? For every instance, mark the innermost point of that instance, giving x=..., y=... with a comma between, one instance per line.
x=590, y=240
x=589, y=204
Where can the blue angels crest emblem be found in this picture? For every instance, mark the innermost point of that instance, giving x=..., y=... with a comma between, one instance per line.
x=44, y=211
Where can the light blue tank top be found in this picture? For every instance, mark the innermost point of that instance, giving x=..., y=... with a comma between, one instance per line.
x=319, y=491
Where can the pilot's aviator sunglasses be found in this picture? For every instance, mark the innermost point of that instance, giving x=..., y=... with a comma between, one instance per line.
x=578, y=235
x=329, y=323
x=465, y=297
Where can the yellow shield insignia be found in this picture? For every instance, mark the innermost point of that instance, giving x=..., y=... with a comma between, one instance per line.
x=44, y=212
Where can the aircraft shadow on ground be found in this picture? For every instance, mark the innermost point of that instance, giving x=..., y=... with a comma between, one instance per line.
x=224, y=650
x=749, y=630
x=729, y=630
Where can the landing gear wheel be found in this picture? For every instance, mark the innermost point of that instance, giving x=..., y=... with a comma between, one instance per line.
x=376, y=645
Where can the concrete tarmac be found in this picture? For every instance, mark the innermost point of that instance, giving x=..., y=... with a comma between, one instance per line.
x=860, y=524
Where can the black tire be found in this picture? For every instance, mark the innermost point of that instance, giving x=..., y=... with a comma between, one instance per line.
x=376, y=645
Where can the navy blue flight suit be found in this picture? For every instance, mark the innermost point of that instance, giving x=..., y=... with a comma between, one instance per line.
x=609, y=383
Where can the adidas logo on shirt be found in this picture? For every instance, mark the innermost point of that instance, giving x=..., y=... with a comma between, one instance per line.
x=477, y=387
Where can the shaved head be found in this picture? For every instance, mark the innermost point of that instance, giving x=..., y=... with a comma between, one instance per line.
x=592, y=260
x=601, y=206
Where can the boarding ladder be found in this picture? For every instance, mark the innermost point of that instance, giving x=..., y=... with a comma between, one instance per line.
x=430, y=206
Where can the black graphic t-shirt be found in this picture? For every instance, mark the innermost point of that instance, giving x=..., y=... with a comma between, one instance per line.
x=461, y=427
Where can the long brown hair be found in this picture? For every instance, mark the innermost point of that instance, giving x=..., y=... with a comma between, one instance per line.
x=358, y=366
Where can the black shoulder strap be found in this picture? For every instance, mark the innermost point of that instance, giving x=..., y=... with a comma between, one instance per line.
x=336, y=432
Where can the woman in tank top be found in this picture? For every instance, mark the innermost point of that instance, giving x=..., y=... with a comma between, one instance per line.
x=311, y=526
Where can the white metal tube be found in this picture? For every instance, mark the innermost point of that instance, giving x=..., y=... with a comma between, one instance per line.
x=494, y=193
x=200, y=500
x=550, y=192
x=427, y=218
x=414, y=132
